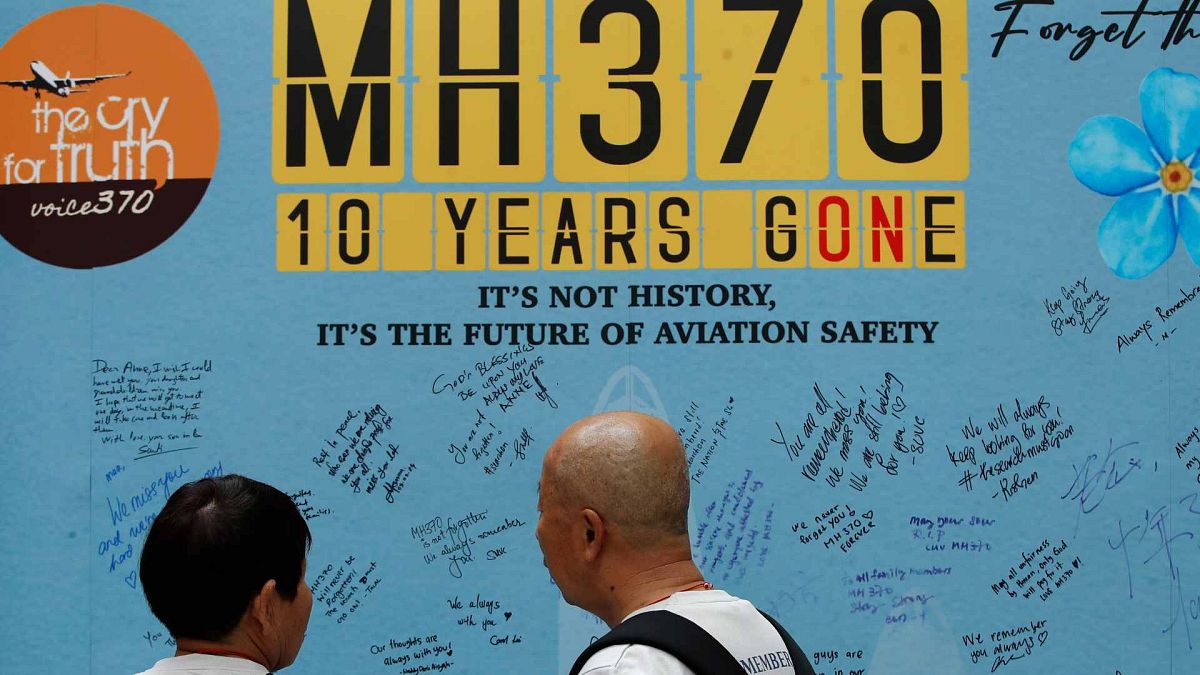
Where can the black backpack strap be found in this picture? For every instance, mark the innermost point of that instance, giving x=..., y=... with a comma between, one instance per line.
x=673, y=634
x=799, y=660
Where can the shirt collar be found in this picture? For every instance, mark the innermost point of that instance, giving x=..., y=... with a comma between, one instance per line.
x=211, y=661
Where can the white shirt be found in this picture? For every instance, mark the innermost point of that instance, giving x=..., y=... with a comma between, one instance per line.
x=206, y=664
x=734, y=622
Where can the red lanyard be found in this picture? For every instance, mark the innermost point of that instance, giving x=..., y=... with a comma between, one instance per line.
x=703, y=585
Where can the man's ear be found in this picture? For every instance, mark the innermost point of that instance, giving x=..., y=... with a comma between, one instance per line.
x=595, y=534
x=262, y=607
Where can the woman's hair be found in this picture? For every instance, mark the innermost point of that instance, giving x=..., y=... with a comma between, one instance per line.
x=211, y=549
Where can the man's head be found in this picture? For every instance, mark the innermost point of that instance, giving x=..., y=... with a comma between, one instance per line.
x=613, y=500
x=224, y=562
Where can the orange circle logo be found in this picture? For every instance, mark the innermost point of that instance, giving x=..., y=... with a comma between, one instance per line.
x=110, y=136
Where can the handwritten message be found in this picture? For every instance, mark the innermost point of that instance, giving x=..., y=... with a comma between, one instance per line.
x=486, y=445
x=1148, y=541
x=1041, y=571
x=702, y=438
x=416, y=654
x=839, y=525
x=1158, y=329
x=847, y=658
x=341, y=591
x=306, y=503
x=1007, y=644
x=487, y=615
x=1188, y=450
x=892, y=592
x=1016, y=434
x=151, y=408
x=953, y=533
x=158, y=638
x=493, y=386
x=1076, y=308
x=360, y=456
x=457, y=540
x=499, y=380
x=853, y=438
x=734, y=534
x=1095, y=477
x=478, y=612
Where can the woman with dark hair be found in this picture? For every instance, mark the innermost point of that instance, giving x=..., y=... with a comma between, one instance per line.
x=223, y=569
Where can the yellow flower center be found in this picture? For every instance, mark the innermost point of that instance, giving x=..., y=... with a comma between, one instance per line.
x=1176, y=177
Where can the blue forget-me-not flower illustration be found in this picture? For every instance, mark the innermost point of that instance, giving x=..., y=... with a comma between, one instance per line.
x=1152, y=173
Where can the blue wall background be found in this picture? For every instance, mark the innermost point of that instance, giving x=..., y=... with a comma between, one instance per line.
x=895, y=602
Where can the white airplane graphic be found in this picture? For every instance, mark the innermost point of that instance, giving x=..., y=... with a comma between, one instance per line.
x=44, y=79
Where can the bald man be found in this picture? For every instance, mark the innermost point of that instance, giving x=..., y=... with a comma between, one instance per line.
x=613, y=528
